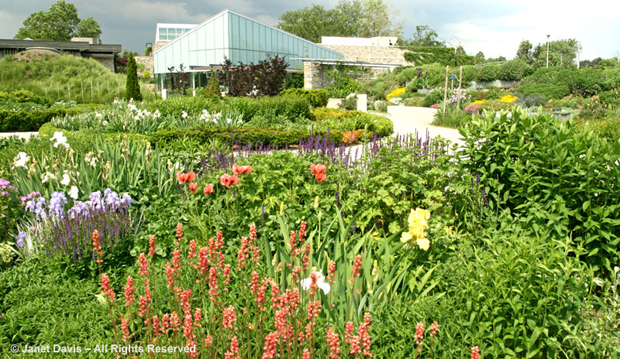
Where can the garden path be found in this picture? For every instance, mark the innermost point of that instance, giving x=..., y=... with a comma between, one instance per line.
x=25, y=135
x=421, y=122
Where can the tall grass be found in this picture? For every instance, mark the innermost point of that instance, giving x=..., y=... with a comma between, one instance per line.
x=65, y=78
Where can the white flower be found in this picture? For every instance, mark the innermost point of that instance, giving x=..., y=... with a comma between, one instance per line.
x=60, y=139
x=320, y=282
x=228, y=120
x=184, y=114
x=20, y=160
x=156, y=113
x=65, y=179
x=47, y=176
x=105, y=123
x=99, y=116
x=73, y=192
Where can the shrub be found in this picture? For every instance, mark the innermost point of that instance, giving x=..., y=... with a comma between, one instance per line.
x=610, y=99
x=213, y=89
x=263, y=79
x=29, y=120
x=544, y=90
x=133, y=86
x=545, y=167
x=254, y=137
x=380, y=106
x=435, y=97
x=324, y=113
x=23, y=96
x=316, y=98
x=290, y=106
x=514, y=70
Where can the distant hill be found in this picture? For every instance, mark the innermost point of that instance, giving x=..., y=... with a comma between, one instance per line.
x=62, y=78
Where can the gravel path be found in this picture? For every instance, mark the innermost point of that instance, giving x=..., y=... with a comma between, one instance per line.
x=405, y=123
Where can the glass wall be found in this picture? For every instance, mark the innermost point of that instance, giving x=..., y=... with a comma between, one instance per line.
x=171, y=33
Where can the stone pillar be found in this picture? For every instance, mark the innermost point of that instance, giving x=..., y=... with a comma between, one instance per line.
x=362, y=102
x=313, y=76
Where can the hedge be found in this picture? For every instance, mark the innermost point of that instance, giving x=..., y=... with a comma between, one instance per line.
x=23, y=120
x=47, y=131
x=242, y=136
x=316, y=98
x=548, y=91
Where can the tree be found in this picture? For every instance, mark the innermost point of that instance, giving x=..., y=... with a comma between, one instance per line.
x=88, y=28
x=425, y=36
x=132, y=90
x=377, y=20
x=60, y=23
x=561, y=53
x=525, y=52
x=350, y=18
x=479, y=58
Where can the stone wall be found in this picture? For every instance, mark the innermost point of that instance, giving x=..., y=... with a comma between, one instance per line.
x=373, y=54
x=313, y=76
x=108, y=62
x=148, y=62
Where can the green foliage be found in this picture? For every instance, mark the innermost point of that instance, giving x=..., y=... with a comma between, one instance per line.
x=357, y=120
x=294, y=80
x=88, y=28
x=585, y=82
x=43, y=305
x=365, y=18
x=421, y=55
x=290, y=106
x=545, y=167
x=58, y=24
x=64, y=78
x=343, y=85
x=316, y=98
x=132, y=90
x=23, y=96
x=213, y=89
x=545, y=90
x=452, y=118
x=244, y=136
x=433, y=98
x=610, y=99
x=23, y=120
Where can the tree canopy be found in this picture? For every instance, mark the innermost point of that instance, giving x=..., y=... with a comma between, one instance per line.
x=59, y=23
x=561, y=53
x=350, y=18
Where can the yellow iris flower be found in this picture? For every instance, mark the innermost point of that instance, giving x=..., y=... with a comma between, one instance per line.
x=418, y=224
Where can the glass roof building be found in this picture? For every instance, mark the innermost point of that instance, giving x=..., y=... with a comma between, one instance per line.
x=168, y=32
x=238, y=38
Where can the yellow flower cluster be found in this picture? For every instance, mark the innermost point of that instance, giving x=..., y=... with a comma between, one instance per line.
x=418, y=224
x=479, y=102
x=396, y=92
x=509, y=99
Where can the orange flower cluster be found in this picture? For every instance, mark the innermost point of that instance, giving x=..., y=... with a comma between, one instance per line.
x=319, y=171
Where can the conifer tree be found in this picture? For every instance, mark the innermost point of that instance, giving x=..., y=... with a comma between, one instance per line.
x=133, y=86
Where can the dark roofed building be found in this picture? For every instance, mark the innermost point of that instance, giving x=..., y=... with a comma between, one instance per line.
x=78, y=46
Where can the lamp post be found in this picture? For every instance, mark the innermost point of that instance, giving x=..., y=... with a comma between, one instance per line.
x=548, y=50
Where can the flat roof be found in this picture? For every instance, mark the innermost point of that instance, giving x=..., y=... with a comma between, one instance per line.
x=60, y=45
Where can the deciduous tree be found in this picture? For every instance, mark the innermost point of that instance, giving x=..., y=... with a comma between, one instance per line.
x=60, y=23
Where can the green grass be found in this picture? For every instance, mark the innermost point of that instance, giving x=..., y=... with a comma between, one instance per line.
x=65, y=78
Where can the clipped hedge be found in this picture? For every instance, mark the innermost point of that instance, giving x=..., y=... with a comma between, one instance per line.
x=548, y=91
x=23, y=120
x=23, y=96
x=289, y=106
x=242, y=136
x=316, y=98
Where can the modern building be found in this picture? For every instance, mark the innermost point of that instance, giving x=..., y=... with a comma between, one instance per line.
x=168, y=32
x=78, y=46
x=230, y=35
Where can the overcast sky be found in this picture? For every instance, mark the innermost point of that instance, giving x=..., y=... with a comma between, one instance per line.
x=495, y=27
